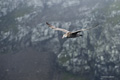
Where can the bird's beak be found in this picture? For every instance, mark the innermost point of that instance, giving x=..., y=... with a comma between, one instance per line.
x=62, y=37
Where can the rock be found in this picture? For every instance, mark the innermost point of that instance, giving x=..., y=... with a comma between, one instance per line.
x=97, y=51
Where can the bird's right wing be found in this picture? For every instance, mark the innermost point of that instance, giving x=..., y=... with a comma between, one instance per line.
x=53, y=27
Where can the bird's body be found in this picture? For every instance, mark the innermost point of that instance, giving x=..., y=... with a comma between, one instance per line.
x=72, y=35
x=68, y=34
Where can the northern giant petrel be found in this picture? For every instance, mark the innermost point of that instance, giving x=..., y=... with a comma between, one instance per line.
x=69, y=34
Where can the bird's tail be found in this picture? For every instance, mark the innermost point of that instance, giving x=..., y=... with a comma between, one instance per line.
x=48, y=24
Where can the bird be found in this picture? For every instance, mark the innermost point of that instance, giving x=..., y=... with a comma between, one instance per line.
x=67, y=33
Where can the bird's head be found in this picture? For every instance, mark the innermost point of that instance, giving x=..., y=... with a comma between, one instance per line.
x=64, y=36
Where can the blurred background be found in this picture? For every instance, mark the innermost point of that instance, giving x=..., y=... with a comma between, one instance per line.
x=29, y=50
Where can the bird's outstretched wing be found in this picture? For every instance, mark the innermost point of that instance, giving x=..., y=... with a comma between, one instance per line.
x=53, y=27
x=75, y=32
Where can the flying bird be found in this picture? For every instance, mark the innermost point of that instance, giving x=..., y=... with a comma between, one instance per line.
x=69, y=34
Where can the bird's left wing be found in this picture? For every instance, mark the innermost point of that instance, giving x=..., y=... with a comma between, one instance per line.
x=75, y=32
